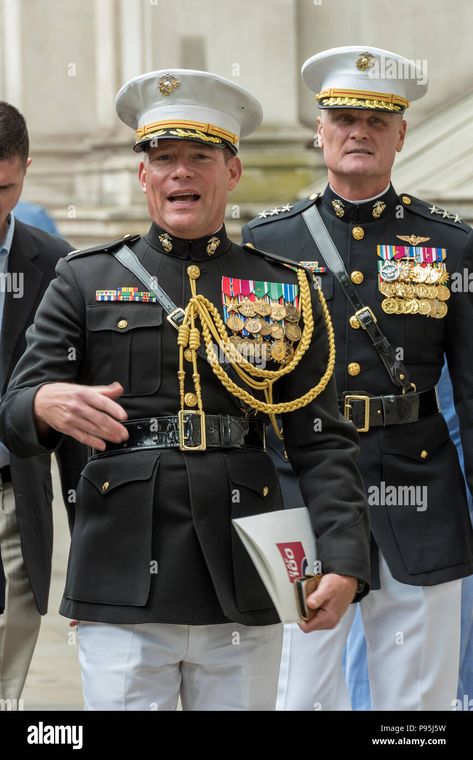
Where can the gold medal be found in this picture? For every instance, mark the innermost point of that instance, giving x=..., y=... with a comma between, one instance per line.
x=246, y=308
x=234, y=323
x=292, y=314
x=422, y=291
x=293, y=332
x=278, y=351
x=265, y=328
x=278, y=311
x=414, y=305
x=400, y=306
x=406, y=307
x=289, y=352
x=389, y=305
x=424, y=307
x=262, y=308
x=442, y=310
x=443, y=293
x=253, y=325
x=386, y=289
x=419, y=274
x=443, y=277
x=235, y=340
x=277, y=331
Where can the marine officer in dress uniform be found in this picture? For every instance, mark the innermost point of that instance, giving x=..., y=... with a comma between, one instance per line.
x=400, y=286
x=165, y=389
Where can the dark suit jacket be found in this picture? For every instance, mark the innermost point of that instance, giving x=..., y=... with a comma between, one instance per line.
x=422, y=546
x=33, y=257
x=170, y=507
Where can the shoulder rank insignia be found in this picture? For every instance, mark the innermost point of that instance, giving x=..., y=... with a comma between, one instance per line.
x=263, y=318
x=413, y=279
x=444, y=213
x=274, y=211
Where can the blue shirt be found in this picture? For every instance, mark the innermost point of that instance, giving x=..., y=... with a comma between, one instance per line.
x=5, y=247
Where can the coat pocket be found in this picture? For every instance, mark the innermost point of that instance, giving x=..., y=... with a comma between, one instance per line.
x=124, y=344
x=254, y=489
x=109, y=560
x=426, y=501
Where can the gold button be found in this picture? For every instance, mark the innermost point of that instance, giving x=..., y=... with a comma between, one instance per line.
x=424, y=454
x=122, y=324
x=354, y=369
x=358, y=233
x=128, y=235
x=265, y=491
x=402, y=377
x=190, y=399
x=249, y=245
x=193, y=272
x=405, y=199
x=285, y=455
x=357, y=277
x=313, y=197
x=354, y=322
x=105, y=486
x=188, y=355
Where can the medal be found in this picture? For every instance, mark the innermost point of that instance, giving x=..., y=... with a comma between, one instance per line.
x=292, y=314
x=278, y=311
x=389, y=271
x=253, y=325
x=234, y=323
x=246, y=308
x=389, y=305
x=443, y=293
x=293, y=332
x=277, y=331
x=262, y=308
x=278, y=351
x=265, y=328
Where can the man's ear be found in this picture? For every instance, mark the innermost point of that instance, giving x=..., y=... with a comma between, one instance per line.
x=142, y=176
x=402, y=135
x=235, y=169
x=319, y=132
x=29, y=161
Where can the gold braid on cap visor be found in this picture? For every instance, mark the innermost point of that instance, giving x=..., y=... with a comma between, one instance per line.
x=215, y=334
x=385, y=101
x=186, y=129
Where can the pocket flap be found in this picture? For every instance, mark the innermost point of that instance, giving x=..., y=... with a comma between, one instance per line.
x=257, y=478
x=114, y=471
x=123, y=317
x=416, y=440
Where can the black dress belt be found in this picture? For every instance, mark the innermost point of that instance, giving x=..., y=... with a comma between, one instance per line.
x=189, y=431
x=367, y=411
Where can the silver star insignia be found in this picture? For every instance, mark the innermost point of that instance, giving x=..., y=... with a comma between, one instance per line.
x=434, y=210
x=274, y=211
x=457, y=218
x=263, y=214
x=286, y=207
x=445, y=214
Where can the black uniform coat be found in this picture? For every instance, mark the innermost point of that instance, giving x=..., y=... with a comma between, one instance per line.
x=422, y=547
x=169, y=507
x=33, y=257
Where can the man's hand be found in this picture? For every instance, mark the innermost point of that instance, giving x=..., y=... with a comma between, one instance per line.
x=87, y=413
x=331, y=600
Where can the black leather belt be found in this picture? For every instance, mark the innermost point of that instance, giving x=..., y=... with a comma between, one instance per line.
x=367, y=411
x=189, y=431
x=5, y=474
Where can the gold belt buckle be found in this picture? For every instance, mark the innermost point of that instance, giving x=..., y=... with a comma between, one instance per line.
x=347, y=407
x=182, y=438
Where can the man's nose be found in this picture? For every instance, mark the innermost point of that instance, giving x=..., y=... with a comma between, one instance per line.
x=182, y=168
x=359, y=130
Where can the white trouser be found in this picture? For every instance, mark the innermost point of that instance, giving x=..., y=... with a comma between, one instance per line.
x=148, y=666
x=413, y=641
x=20, y=623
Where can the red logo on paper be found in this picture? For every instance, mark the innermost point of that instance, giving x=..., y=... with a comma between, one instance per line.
x=294, y=558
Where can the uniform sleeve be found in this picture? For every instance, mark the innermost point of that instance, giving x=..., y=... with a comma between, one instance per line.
x=323, y=448
x=54, y=352
x=459, y=349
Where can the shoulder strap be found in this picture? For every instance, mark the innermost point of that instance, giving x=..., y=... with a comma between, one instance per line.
x=397, y=371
